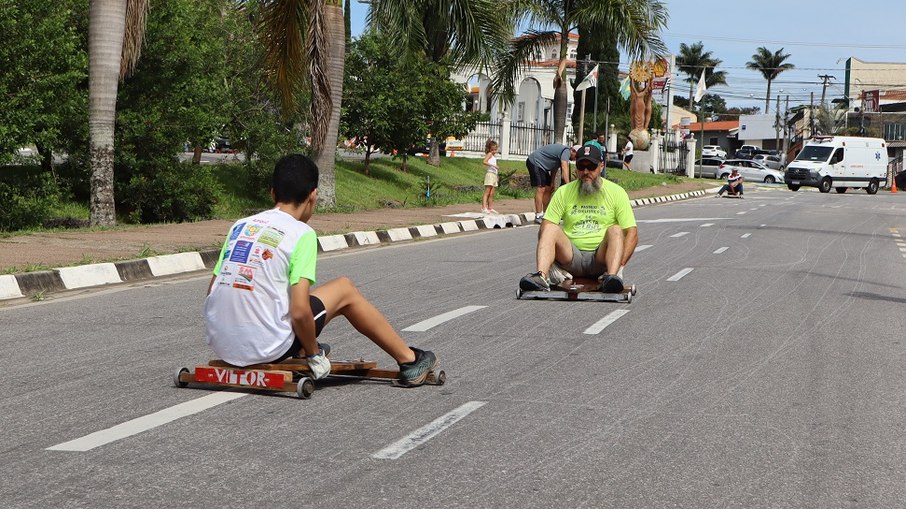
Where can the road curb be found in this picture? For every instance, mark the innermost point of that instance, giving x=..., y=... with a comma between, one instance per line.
x=35, y=285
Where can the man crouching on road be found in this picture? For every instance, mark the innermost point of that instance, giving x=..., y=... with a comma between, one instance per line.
x=598, y=235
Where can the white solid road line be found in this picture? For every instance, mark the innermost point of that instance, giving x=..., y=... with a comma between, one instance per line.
x=642, y=247
x=607, y=320
x=135, y=426
x=427, y=432
x=679, y=275
x=720, y=250
x=439, y=319
x=678, y=235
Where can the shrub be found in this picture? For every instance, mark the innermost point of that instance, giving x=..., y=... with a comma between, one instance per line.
x=174, y=192
x=27, y=202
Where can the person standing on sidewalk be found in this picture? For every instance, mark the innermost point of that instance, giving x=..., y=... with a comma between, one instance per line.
x=260, y=306
x=542, y=166
x=491, y=177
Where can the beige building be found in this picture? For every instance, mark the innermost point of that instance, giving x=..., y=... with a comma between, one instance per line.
x=889, y=78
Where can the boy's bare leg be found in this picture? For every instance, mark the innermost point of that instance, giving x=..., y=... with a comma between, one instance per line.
x=341, y=297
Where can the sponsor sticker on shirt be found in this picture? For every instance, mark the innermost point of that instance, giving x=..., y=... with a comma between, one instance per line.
x=241, y=251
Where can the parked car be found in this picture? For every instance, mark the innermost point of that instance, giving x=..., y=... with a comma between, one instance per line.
x=745, y=152
x=425, y=149
x=707, y=167
x=750, y=170
x=771, y=161
x=714, y=151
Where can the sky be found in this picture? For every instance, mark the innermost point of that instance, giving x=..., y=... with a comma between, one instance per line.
x=819, y=35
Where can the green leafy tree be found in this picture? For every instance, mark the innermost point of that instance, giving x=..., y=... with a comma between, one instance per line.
x=770, y=65
x=43, y=73
x=177, y=93
x=635, y=24
x=692, y=60
x=451, y=33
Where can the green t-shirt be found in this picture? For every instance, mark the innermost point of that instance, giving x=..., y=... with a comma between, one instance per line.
x=586, y=218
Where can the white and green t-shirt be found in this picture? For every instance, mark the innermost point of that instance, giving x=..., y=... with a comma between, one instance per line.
x=586, y=218
x=246, y=314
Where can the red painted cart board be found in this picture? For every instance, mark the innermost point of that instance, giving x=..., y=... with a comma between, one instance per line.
x=243, y=377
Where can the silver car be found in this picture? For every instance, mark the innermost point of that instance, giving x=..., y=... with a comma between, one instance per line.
x=752, y=171
x=707, y=167
x=772, y=162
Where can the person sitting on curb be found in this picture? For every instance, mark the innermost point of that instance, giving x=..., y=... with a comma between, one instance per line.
x=599, y=232
x=733, y=185
x=260, y=306
x=542, y=167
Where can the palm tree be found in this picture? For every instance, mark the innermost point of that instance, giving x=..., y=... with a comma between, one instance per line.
x=115, y=32
x=305, y=47
x=635, y=23
x=770, y=65
x=304, y=44
x=692, y=60
x=456, y=33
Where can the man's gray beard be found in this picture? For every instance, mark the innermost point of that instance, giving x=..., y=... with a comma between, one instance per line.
x=589, y=188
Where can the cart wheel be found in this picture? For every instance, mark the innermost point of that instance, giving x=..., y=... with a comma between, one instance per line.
x=632, y=289
x=628, y=297
x=518, y=293
x=305, y=387
x=441, y=377
x=177, y=382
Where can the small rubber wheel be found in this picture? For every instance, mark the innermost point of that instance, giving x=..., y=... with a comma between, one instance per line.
x=440, y=377
x=518, y=293
x=305, y=387
x=178, y=375
x=628, y=297
x=633, y=290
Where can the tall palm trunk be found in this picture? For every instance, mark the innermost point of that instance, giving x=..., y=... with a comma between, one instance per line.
x=767, y=99
x=325, y=157
x=106, y=29
x=560, y=99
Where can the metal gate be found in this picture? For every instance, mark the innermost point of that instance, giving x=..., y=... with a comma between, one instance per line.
x=673, y=152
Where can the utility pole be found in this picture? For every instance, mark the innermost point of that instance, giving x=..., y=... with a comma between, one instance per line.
x=825, y=78
x=786, y=130
x=777, y=125
x=811, y=115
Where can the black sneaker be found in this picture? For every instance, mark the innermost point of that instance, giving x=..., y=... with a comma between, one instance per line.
x=611, y=283
x=413, y=374
x=534, y=282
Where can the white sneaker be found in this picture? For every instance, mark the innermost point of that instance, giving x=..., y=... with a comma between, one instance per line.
x=539, y=218
x=558, y=274
x=485, y=211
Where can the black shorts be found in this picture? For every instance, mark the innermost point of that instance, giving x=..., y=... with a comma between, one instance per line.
x=320, y=314
x=537, y=176
x=628, y=158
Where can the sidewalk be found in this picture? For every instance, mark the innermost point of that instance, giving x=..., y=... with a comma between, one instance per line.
x=27, y=260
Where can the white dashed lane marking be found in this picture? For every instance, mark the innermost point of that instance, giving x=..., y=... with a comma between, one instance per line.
x=740, y=213
x=706, y=225
x=427, y=432
x=642, y=247
x=439, y=319
x=745, y=235
x=678, y=235
x=604, y=322
x=720, y=250
x=680, y=275
x=135, y=426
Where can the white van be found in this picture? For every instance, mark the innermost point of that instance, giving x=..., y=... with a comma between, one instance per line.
x=839, y=162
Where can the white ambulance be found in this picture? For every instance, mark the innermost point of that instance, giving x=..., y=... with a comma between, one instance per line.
x=839, y=162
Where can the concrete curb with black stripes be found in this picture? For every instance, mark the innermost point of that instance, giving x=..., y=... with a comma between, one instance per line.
x=40, y=283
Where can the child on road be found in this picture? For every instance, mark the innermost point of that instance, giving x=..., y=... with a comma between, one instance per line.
x=491, y=178
x=260, y=306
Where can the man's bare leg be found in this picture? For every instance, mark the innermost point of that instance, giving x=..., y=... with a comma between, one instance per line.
x=341, y=297
x=553, y=245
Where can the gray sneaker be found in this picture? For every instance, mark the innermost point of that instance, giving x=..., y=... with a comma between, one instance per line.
x=539, y=218
x=413, y=374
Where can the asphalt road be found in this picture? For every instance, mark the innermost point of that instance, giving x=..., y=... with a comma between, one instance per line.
x=771, y=374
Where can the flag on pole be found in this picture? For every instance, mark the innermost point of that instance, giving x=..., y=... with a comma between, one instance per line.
x=624, y=88
x=591, y=80
x=700, y=89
